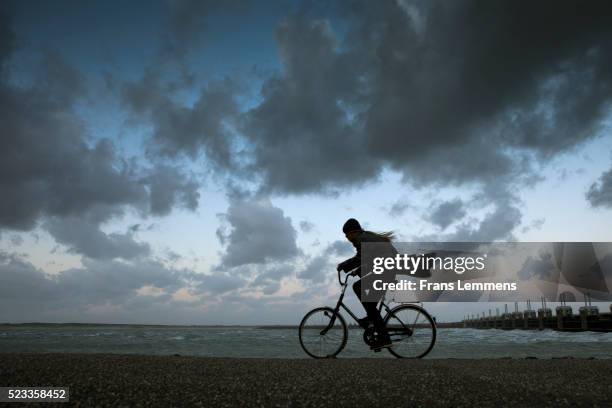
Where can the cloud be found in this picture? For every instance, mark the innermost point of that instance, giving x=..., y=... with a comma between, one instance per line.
x=16, y=240
x=306, y=226
x=52, y=171
x=319, y=267
x=189, y=22
x=300, y=137
x=170, y=188
x=144, y=292
x=497, y=223
x=600, y=192
x=535, y=224
x=316, y=269
x=415, y=87
x=85, y=237
x=219, y=283
x=46, y=166
x=178, y=129
x=398, y=208
x=22, y=280
x=434, y=93
x=23, y=286
x=425, y=93
x=446, y=94
x=447, y=212
x=259, y=233
x=339, y=248
x=465, y=93
x=268, y=279
x=7, y=41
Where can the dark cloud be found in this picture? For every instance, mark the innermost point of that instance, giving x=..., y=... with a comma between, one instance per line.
x=7, y=41
x=170, y=188
x=84, y=237
x=259, y=233
x=46, y=166
x=301, y=137
x=443, y=92
x=447, y=212
x=481, y=72
x=189, y=22
x=51, y=170
x=600, y=192
x=204, y=127
x=48, y=169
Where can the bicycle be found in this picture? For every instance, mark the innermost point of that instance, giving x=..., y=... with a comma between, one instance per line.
x=323, y=332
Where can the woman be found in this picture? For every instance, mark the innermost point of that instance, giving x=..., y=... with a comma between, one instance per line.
x=356, y=235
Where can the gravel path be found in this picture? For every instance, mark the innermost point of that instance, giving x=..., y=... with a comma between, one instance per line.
x=129, y=380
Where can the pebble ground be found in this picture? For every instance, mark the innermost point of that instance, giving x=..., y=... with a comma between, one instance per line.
x=165, y=381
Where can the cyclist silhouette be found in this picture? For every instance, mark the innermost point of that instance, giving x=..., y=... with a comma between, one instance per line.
x=356, y=235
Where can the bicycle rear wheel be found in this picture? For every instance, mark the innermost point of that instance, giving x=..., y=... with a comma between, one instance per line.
x=412, y=331
x=323, y=333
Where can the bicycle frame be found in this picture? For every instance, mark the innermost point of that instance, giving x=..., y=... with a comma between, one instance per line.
x=341, y=304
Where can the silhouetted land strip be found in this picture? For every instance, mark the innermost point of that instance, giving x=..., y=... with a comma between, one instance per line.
x=161, y=326
x=110, y=380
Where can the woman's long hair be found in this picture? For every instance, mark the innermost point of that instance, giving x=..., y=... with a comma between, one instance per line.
x=390, y=235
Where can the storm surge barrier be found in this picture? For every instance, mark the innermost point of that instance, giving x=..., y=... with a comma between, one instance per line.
x=588, y=318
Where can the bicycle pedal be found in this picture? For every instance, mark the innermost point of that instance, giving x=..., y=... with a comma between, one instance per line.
x=377, y=350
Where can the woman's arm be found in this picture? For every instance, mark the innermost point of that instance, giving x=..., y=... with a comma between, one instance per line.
x=350, y=263
x=353, y=262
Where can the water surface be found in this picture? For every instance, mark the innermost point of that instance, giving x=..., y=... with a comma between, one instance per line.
x=283, y=343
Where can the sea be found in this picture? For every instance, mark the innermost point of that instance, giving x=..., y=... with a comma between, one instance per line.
x=266, y=342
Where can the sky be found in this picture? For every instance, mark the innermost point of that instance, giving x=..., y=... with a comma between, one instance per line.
x=192, y=162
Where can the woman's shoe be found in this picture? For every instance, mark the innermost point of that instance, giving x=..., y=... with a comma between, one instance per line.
x=385, y=342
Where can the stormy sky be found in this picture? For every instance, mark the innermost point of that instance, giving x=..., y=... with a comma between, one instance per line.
x=194, y=161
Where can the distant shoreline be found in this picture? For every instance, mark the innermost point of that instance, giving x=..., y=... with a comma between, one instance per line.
x=37, y=324
x=237, y=326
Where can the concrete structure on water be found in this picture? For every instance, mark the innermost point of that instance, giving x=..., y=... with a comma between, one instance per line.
x=588, y=318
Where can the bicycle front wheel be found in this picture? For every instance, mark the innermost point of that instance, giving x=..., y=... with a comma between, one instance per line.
x=323, y=333
x=412, y=331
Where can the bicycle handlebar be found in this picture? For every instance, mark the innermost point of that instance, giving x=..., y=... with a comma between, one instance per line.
x=349, y=273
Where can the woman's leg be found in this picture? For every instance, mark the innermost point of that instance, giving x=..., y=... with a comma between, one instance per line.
x=372, y=312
